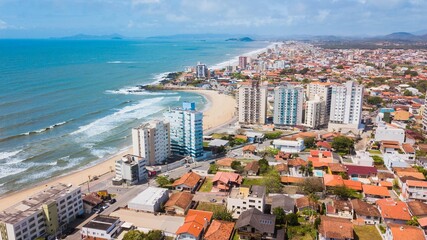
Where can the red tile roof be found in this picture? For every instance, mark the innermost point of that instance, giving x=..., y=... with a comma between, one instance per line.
x=338, y=228
x=405, y=232
x=361, y=170
x=189, y=179
x=219, y=230
x=393, y=210
x=376, y=190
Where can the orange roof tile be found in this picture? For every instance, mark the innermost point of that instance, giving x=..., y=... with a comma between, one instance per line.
x=226, y=177
x=355, y=185
x=250, y=148
x=189, y=179
x=408, y=148
x=405, y=232
x=414, y=183
x=288, y=179
x=386, y=184
x=392, y=209
x=376, y=190
x=219, y=230
x=179, y=199
x=226, y=162
x=337, y=228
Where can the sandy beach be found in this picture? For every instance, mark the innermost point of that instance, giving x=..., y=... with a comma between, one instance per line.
x=219, y=110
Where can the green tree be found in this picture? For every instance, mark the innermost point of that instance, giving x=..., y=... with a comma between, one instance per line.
x=272, y=182
x=280, y=215
x=272, y=135
x=407, y=93
x=154, y=235
x=311, y=186
x=413, y=221
x=133, y=235
x=344, y=193
x=271, y=151
x=162, y=181
x=237, y=165
x=342, y=144
x=263, y=166
x=213, y=168
x=292, y=219
x=317, y=222
x=378, y=160
x=309, y=142
x=373, y=100
x=223, y=214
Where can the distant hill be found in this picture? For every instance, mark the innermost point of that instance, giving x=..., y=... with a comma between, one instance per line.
x=81, y=36
x=243, y=39
x=401, y=36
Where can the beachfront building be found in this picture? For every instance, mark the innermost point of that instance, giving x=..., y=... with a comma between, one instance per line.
x=130, y=169
x=186, y=130
x=44, y=214
x=102, y=227
x=346, y=107
x=243, y=61
x=324, y=91
x=149, y=200
x=314, y=112
x=244, y=198
x=202, y=71
x=252, y=102
x=288, y=105
x=152, y=142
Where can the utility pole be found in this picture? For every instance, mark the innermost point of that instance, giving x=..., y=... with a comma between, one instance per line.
x=88, y=189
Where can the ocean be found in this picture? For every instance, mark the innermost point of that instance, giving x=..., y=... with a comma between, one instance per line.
x=64, y=104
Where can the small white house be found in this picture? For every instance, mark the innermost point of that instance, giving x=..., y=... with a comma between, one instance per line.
x=289, y=146
x=149, y=200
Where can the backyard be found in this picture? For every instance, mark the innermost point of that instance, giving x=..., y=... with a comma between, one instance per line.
x=368, y=232
x=207, y=185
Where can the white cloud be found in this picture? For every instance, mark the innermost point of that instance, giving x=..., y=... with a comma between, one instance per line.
x=4, y=25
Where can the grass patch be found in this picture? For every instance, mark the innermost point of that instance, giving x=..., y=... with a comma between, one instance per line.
x=207, y=185
x=211, y=207
x=374, y=151
x=219, y=135
x=236, y=236
x=247, y=182
x=302, y=232
x=367, y=232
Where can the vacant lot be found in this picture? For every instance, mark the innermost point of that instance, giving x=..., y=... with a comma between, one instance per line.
x=247, y=182
x=367, y=232
x=207, y=185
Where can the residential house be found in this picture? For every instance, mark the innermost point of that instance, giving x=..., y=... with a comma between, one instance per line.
x=224, y=164
x=101, y=227
x=372, y=193
x=388, y=146
x=332, y=181
x=253, y=224
x=324, y=146
x=179, y=203
x=249, y=150
x=414, y=190
x=252, y=168
x=195, y=224
x=295, y=165
x=355, y=172
x=332, y=228
x=91, y=201
x=224, y=181
x=289, y=145
x=336, y=168
x=366, y=212
x=283, y=201
x=417, y=208
x=409, y=151
x=403, y=232
x=339, y=208
x=393, y=211
x=289, y=180
x=282, y=169
x=188, y=182
x=306, y=203
x=219, y=230
x=243, y=198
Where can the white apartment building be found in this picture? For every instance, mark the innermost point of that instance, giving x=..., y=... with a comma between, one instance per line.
x=201, y=71
x=289, y=146
x=313, y=112
x=252, y=103
x=414, y=190
x=424, y=121
x=130, y=169
x=102, y=228
x=186, y=130
x=152, y=142
x=44, y=214
x=324, y=91
x=243, y=198
x=346, y=107
x=288, y=105
x=389, y=132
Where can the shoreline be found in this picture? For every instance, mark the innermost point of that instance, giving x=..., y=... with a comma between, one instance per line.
x=211, y=119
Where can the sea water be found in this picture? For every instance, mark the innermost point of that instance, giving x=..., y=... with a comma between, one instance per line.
x=64, y=104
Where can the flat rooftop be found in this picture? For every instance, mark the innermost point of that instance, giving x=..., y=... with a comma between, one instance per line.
x=101, y=222
x=149, y=196
x=244, y=192
x=33, y=204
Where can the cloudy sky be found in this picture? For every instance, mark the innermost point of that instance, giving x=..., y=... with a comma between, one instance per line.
x=141, y=18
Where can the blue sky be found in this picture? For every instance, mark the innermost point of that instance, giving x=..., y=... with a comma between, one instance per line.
x=142, y=18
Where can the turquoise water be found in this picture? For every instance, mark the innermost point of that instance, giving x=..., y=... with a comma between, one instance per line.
x=64, y=105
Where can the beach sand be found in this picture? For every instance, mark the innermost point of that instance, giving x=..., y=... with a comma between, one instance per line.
x=219, y=110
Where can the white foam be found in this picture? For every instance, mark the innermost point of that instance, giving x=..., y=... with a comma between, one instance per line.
x=8, y=170
x=140, y=110
x=6, y=155
x=159, y=77
x=120, y=62
x=136, y=91
x=103, y=152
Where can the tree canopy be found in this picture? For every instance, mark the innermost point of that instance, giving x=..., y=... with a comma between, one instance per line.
x=162, y=181
x=342, y=144
x=138, y=235
x=374, y=100
x=272, y=182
